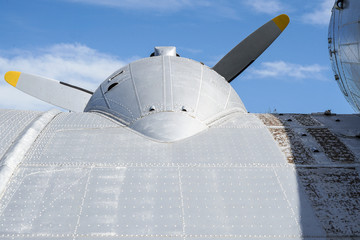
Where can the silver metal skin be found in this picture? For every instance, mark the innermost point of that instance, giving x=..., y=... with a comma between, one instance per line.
x=249, y=176
x=344, y=48
x=167, y=98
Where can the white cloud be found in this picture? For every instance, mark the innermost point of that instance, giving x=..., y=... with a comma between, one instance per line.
x=321, y=14
x=288, y=71
x=217, y=8
x=72, y=63
x=266, y=6
x=154, y=5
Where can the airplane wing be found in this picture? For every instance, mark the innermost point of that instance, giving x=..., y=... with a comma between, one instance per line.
x=86, y=176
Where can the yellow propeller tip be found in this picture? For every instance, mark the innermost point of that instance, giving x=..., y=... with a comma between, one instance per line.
x=12, y=77
x=282, y=21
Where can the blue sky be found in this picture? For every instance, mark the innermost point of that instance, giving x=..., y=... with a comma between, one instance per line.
x=83, y=41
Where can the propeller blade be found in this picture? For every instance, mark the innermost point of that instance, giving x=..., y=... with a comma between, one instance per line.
x=246, y=52
x=51, y=91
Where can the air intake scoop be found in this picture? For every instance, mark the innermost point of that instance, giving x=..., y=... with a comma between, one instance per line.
x=165, y=51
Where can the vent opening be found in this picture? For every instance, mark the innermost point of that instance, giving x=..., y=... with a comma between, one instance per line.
x=112, y=86
x=110, y=79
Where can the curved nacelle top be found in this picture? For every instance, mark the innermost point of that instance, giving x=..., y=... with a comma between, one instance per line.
x=165, y=97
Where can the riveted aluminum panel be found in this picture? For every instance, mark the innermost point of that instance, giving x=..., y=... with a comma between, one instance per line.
x=87, y=176
x=67, y=122
x=106, y=144
x=123, y=101
x=40, y=199
x=150, y=202
x=148, y=77
x=119, y=96
x=240, y=121
x=251, y=201
x=187, y=79
x=155, y=201
x=12, y=123
x=298, y=202
x=3, y=111
x=214, y=94
x=96, y=202
x=129, y=201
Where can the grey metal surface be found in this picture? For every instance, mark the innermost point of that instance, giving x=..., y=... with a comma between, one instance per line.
x=344, y=47
x=8, y=130
x=109, y=143
x=168, y=126
x=14, y=155
x=166, y=84
x=88, y=176
x=154, y=201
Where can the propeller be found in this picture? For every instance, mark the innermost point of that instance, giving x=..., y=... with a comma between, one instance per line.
x=58, y=93
x=247, y=51
x=75, y=99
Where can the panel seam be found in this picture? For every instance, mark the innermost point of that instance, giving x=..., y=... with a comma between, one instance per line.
x=287, y=199
x=135, y=89
x=18, y=150
x=82, y=203
x=201, y=80
x=182, y=205
x=164, y=80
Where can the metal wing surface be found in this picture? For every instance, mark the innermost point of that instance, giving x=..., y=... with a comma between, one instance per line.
x=260, y=176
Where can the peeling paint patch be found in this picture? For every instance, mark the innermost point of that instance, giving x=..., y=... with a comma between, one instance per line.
x=270, y=120
x=306, y=120
x=291, y=146
x=335, y=196
x=333, y=147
